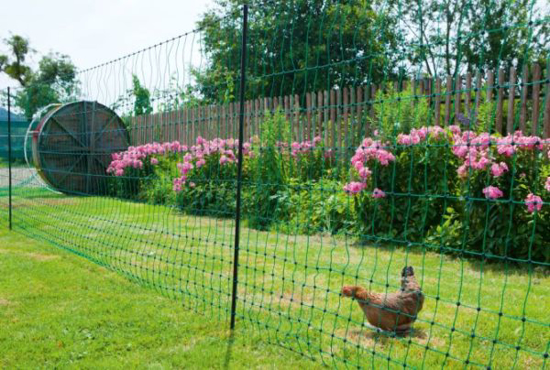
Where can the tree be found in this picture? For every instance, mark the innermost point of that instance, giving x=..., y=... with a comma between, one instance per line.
x=296, y=46
x=299, y=46
x=14, y=66
x=142, y=98
x=445, y=35
x=54, y=80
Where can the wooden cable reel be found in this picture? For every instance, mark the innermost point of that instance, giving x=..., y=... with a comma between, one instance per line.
x=72, y=147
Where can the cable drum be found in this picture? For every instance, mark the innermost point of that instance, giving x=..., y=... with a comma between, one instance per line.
x=27, y=146
x=72, y=146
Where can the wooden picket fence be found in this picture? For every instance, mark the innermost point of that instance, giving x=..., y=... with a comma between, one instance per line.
x=341, y=114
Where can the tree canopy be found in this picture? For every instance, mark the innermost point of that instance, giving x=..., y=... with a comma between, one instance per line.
x=53, y=81
x=308, y=45
x=444, y=36
x=297, y=46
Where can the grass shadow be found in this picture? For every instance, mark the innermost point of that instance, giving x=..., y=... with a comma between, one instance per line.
x=229, y=350
x=372, y=336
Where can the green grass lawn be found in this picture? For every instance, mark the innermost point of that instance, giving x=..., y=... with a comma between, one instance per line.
x=58, y=310
x=288, y=293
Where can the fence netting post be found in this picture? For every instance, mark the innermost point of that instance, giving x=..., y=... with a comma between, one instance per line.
x=239, y=167
x=9, y=163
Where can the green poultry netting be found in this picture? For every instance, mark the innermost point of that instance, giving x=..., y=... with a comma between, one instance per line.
x=394, y=182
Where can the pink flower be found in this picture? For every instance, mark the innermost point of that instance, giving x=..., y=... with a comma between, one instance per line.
x=492, y=192
x=482, y=163
x=462, y=171
x=185, y=168
x=505, y=146
x=498, y=169
x=436, y=132
x=533, y=202
x=137, y=164
x=224, y=160
x=384, y=157
x=246, y=148
x=354, y=187
x=201, y=162
x=455, y=129
x=364, y=173
x=421, y=133
x=404, y=139
x=547, y=184
x=460, y=148
x=154, y=161
x=377, y=193
x=192, y=184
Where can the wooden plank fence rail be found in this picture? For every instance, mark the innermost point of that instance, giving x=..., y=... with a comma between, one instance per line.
x=342, y=116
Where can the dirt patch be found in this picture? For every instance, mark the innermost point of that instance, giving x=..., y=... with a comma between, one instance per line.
x=4, y=302
x=41, y=257
x=368, y=337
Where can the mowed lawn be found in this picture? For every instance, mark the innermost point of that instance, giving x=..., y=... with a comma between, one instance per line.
x=58, y=310
x=476, y=314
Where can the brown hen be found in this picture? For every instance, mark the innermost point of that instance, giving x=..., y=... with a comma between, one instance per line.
x=395, y=312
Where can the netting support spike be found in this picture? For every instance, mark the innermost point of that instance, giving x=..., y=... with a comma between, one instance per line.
x=9, y=164
x=239, y=168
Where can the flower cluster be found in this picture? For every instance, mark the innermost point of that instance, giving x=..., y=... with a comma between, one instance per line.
x=369, y=151
x=135, y=155
x=419, y=135
x=304, y=147
x=492, y=192
x=533, y=202
x=197, y=155
x=473, y=149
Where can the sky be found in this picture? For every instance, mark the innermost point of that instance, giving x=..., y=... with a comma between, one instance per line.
x=95, y=31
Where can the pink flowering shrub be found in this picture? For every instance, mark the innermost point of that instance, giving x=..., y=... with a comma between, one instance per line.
x=207, y=155
x=133, y=168
x=477, y=184
x=400, y=180
x=139, y=157
x=459, y=191
x=205, y=178
x=507, y=171
x=310, y=159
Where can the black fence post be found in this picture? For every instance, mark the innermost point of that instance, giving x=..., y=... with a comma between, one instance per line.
x=239, y=169
x=9, y=161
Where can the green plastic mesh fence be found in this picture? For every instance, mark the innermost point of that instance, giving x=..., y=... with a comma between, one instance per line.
x=395, y=187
